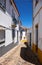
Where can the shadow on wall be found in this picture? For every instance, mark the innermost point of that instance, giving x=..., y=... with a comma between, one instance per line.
x=27, y=54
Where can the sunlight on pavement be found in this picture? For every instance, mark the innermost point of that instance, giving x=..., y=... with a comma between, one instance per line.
x=13, y=57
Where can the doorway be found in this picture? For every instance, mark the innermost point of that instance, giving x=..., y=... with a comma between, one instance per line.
x=17, y=35
x=36, y=38
x=30, y=39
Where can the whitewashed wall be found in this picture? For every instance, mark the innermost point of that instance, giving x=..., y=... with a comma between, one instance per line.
x=40, y=30
x=23, y=34
x=17, y=36
x=38, y=20
x=36, y=9
x=5, y=20
x=8, y=37
x=9, y=7
x=15, y=39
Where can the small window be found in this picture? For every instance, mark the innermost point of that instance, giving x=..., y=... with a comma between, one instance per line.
x=36, y=2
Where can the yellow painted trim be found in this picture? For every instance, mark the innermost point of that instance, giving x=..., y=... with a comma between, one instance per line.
x=23, y=41
x=34, y=48
x=40, y=55
x=39, y=52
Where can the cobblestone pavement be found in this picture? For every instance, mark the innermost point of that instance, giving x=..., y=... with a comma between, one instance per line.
x=20, y=56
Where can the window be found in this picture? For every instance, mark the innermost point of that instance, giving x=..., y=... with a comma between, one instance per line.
x=13, y=34
x=2, y=36
x=30, y=39
x=20, y=35
x=36, y=2
x=3, y=4
x=13, y=17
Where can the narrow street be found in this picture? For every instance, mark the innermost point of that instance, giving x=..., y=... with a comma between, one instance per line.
x=20, y=55
x=20, y=32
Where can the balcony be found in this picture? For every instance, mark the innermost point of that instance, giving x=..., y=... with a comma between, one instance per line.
x=3, y=4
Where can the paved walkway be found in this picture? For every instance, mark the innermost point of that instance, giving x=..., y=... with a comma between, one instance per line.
x=20, y=55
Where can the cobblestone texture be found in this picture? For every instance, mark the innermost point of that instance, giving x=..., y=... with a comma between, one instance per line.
x=20, y=56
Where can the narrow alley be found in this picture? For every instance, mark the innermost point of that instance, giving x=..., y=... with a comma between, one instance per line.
x=19, y=56
x=20, y=32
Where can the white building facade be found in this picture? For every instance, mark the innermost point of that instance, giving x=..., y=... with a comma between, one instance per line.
x=37, y=28
x=24, y=33
x=29, y=36
x=8, y=21
x=18, y=32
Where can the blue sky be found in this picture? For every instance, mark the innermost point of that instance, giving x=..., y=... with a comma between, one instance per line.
x=25, y=10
